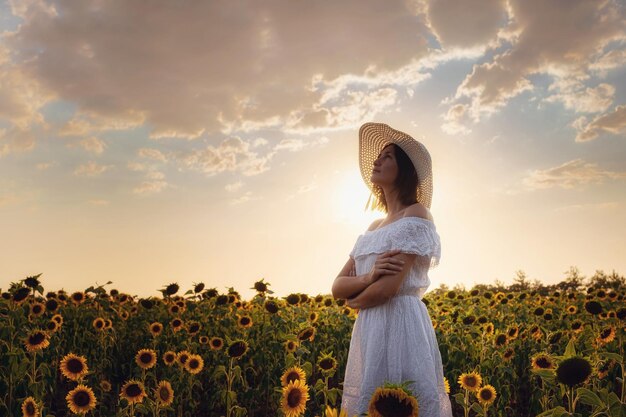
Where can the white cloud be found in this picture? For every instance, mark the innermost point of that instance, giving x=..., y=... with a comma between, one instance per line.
x=91, y=169
x=152, y=153
x=572, y=174
x=613, y=122
x=233, y=187
x=91, y=144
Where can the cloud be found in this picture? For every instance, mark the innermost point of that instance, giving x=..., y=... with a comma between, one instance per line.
x=613, y=122
x=576, y=97
x=42, y=166
x=91, y=144
x=91, y=169
x=151, y=153
x=558, y=38
x=465, y=23
x=99, y=202
x=192, y=70
x=233, y=187
x=571, y=174
x=150, y=187
x=245, y=198
x=603, y=206
x=232, y=154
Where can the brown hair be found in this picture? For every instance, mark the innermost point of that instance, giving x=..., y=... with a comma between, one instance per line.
x=406, y=182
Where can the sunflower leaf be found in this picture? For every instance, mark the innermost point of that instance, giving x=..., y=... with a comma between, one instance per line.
x=589, y=397
x=570, y=350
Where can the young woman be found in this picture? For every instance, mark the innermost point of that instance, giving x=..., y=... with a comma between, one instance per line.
x=387, y=274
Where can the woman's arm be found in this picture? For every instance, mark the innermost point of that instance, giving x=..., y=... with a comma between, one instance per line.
x=385, y=287
x=346, y=285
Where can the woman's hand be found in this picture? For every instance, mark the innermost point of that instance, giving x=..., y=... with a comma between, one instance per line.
x=386, y=264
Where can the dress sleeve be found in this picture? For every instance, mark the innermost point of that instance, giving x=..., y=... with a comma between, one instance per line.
x=420, y=238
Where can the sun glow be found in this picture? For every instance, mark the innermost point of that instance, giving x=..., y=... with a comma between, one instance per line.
x=349, y=197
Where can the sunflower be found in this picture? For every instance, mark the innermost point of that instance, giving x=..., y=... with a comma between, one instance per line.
x=392, y=401
x=542, y=361
x=470, y=381
x=74, y=367
x=108, y=324
x=182, y=357
x=327, y=364
x=486, y=395
x=124, y=314
x=572, y=309
x=291, y=346
x=78, y=297
x=105, y=385
x=155, y=328
x=146, y=358
x=169, y=357
x=174, y=309
x=292, y=374
x=295, y=396
x=37, y=309
x=81, y=399
x=512, y=332
x=164, y=393
x=177, y=324
x=488, y=328
x=446, y=385
x=20, y=295
x=58, y=318
x=313, y=317
x=577, y=326
x=244, y=322
x=500, y=339
x=607, y=335
x=307, y=333
x=30, y=408
x=216, y=343
x=573, y=370
x=237, y=349
x=52, y=326
x=203, y=340
x=193, y=327
x=133, y=391
x=333, y=412
x=271, y=307
x=98, y=323
x=194, y=364
x=508, y=354
x=36, y=340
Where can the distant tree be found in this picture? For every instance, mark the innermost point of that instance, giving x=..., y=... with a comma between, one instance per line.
x=520, y=282
x=574, y=280
x=602, y=280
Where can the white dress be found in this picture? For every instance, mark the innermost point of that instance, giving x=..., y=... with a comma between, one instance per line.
x=396, y=341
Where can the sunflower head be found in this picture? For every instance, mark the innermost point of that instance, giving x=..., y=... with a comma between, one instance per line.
x=146, y=358
x=78, y=297
x=30, y=408
x=470, y=381
x=98, y=323
x=607, y=335
x=156, y=328
x=36, y=340
x=244, y=322
x=169, y=358
x=294, y=398
x=446, y=385
x=542, y=360
x=216, y=343
x=164, y=393
x=293, y=374
x=291, y=346
x=237, y=349
x=486, y=395
x=105, y=384
x=133, y=391
x=81, y=399
x=393, y=400
x=203, y=340
x=74, y=367
x=193, y=327
x=573, y=370
x=327, y=364
x=307, y=333
x=182, y=357
x=194, y=364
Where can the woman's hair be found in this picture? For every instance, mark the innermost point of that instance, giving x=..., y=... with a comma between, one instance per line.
x=406, y=183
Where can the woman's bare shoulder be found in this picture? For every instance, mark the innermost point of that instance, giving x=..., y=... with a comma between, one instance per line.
x=418, y=210
x=374, y=224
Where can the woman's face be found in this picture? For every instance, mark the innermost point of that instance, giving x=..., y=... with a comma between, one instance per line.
x=385, y=167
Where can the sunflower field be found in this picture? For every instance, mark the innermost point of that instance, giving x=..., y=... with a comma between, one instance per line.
x=534, y=351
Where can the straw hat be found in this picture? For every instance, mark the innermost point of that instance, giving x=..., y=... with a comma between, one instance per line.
x=373, y=137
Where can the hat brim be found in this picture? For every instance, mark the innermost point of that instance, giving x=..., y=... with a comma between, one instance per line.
x=373, y=137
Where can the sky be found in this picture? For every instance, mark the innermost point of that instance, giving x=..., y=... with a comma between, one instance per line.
x=147, y=143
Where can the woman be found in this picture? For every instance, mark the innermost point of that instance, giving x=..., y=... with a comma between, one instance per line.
x=387, y=274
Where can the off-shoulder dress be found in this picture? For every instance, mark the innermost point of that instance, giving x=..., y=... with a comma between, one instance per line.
x=396, y=341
